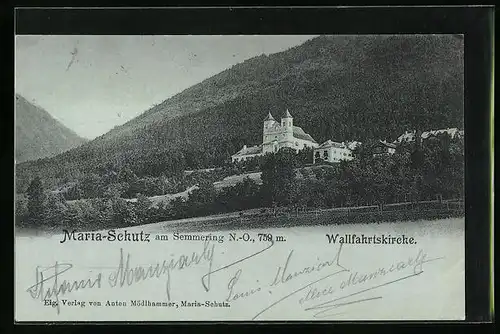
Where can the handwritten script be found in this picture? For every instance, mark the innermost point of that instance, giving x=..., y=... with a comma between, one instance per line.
x=319, y=287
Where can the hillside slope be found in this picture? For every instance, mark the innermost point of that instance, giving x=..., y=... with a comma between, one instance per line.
x=340, y=88
x=39, y=135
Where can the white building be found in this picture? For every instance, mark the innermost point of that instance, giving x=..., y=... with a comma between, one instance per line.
x=409, y=136
x=383, y=148
x=334, y=152
x=453, y=132
x=247, y=153
x=276, y=135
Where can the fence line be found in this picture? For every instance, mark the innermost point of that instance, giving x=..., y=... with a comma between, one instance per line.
x=437, y=205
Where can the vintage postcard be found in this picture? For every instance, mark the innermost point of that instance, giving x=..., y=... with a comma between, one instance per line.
x=239, y=178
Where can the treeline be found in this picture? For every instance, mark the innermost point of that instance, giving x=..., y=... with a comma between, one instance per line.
x=125, y=183
x=45, y=210
x=113, y=181
x=40, y=209
x=415, y=172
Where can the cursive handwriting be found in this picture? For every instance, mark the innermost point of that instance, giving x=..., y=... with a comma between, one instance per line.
x=205, y=279
x=344, y=285
x=337, y=264
x=283, y=275
x=127, y=275
x=356, y=279
x=44, y=291
x=233, y=294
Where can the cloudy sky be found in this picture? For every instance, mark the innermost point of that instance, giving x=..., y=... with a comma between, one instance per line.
x=92, y=83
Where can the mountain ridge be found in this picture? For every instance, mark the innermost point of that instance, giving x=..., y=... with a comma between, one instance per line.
x=39, y=135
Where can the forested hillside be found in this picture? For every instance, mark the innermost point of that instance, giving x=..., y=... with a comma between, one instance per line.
x=340, y=88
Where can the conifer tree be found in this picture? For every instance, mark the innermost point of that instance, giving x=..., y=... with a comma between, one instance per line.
x=36, y=199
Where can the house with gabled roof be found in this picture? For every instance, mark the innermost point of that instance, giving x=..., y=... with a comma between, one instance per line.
x=332, y=151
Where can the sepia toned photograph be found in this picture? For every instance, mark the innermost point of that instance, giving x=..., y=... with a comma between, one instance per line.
x=274, y=157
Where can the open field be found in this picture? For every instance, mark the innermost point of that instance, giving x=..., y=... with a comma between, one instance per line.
x=235, y=222
x=232, y=180
x=267, y=218
x=289, y=217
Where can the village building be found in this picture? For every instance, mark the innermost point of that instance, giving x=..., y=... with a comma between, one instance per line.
x=276, y=135
x=384, y=148
x=409, y=136
x=331, y=151
x=453, y=132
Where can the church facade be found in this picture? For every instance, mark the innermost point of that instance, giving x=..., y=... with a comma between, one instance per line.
x=276, y=135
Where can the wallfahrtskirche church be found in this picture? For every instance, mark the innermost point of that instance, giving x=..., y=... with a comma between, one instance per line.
x=276, y=135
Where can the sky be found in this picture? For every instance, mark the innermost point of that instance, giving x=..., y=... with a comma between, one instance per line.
x=93, y=83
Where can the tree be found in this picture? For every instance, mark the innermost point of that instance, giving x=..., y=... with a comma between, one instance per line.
x=74, y=192
x=55, y=209
x=36, y=199
x=123, y=213
x=142, y=209
x=115, y=190
x=202, y=199
x=73, y=217
x=102, y=213
x=305, y=156
x=21, y=208
x=278, y=177
x=177, y=208
x=245, y=194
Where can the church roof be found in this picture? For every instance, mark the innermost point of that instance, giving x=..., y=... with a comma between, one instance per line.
x=349, y=144
x=269, y=117
x=249, y=150
x=300, y=134
x=287, y=114
x=331, y=143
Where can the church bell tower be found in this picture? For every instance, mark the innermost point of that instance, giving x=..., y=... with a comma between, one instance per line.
x=268, y=124
x=287, y=125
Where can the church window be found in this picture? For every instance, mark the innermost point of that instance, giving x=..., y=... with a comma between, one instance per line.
x=317, y=155
x=325, y=155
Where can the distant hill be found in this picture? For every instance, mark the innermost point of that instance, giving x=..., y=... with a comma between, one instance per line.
x=39, y=135
x=336, y=87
